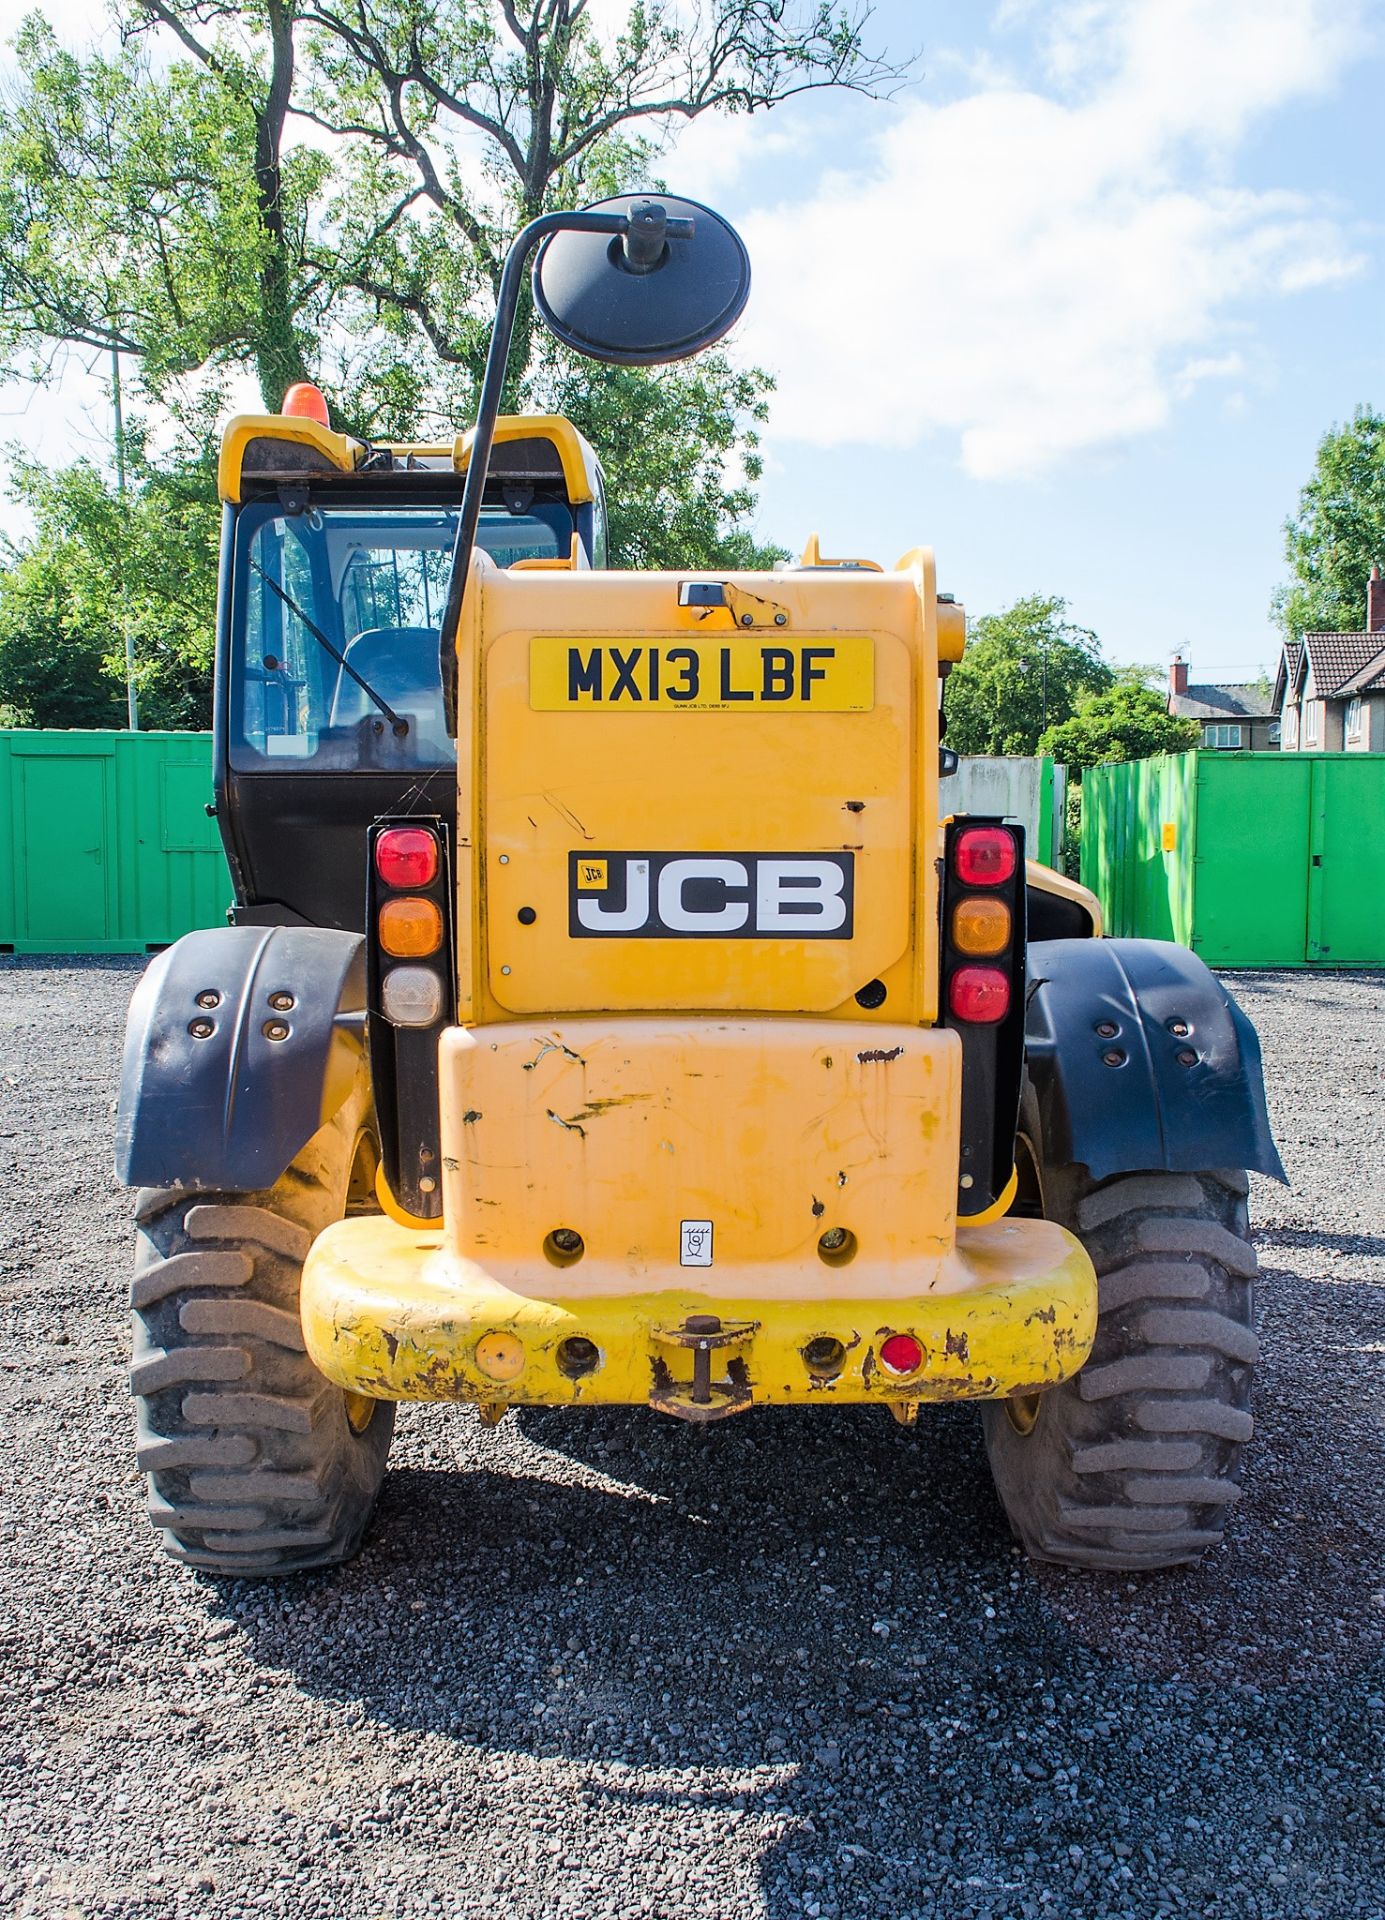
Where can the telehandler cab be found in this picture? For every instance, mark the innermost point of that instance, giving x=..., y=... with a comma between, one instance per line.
x=610, y=1014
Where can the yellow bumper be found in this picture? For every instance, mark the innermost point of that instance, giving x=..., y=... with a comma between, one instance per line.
x=397, y=1315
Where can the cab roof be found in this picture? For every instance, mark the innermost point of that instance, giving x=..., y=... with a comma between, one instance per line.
x=262, y=451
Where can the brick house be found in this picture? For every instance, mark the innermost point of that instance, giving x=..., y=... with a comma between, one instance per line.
x=1237, y=716
x=1329, y=691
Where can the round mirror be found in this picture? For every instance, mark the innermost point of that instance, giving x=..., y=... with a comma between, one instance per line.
x=640, y=299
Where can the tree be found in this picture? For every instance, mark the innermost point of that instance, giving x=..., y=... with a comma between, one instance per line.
x=1125, y=721
x=563, y=114
x=148, y=210
x=1023, y=671
x=97, y=564
x=1338, y=533
x=156, y=204
x=670, y=493
x=159, y=206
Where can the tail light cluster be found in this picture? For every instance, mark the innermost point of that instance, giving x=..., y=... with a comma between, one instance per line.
x=983, y=933
x=412, y=978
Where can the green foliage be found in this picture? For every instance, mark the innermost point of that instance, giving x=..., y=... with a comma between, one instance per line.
x=1124, y=721
x=1023, y=670
x=1338, y=533
x=154, y=203
x=667, y=440
x=1072, y=831
x=97, y=565
x=130, y=216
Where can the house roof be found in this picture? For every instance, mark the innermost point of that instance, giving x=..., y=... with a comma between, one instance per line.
x=1287, y=673
x=1237, y=700
x=1371, y=678
x=1337, y=658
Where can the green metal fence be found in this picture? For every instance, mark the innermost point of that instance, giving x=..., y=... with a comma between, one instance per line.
x=105, y=843
x=1251, y=859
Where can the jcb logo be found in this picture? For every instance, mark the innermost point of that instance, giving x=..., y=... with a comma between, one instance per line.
x=710, y=896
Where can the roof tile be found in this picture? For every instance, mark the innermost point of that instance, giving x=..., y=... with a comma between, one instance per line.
x=1238, y=700
x=1338, y=657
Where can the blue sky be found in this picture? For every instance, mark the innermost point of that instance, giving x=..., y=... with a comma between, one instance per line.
x=1053, y=173
x=1074, y=308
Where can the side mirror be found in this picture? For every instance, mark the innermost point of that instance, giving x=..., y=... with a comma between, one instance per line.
x=674, y=282
x=633, y=281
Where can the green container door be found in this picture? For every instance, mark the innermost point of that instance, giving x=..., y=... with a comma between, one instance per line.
x=1143, y=884
x=1346, y=878
x=1250, y=873
x=62, y=870
x=1278, y=859
x=105, y=843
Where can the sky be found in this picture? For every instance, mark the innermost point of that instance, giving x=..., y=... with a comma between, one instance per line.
x=1073, y=307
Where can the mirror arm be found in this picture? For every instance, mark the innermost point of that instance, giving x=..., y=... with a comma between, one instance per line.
x=488, y=411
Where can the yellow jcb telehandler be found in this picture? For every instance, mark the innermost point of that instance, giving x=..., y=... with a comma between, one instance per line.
x=614, y=1011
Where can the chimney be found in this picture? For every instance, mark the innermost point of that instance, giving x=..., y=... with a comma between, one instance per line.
x=1178, y=670
x=1375, y=602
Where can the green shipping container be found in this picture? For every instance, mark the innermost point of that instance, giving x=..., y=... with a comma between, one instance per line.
x=105, y=841
x=1251, y=859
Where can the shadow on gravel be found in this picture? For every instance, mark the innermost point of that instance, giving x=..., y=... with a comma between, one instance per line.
x=818, y=1619
x=1312, y=1238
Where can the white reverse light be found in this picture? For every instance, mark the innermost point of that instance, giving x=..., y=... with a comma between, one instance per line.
x=411, y=996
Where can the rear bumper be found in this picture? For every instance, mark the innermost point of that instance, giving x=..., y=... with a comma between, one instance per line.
x=397, y=1315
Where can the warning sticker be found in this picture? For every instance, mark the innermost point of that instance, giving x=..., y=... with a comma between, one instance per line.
x=695, y=1248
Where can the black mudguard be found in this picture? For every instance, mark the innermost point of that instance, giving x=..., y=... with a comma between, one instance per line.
x=1154, y=1108
x=228, y=1110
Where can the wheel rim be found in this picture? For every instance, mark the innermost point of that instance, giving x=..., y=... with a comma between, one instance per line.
x=1028, y=1203
x=1023, y=1412
x=360, y=1185
x=360, y=1411
x=360, y=1198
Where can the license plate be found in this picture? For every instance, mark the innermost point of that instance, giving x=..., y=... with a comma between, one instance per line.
x=735, y=674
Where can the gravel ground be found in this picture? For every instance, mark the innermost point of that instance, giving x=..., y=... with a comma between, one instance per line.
x=606, y=1666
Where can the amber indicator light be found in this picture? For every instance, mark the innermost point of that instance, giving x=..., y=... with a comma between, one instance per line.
x=981, y=925
x=410, y=928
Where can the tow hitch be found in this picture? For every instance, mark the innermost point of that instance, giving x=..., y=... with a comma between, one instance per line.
x=702, y=1397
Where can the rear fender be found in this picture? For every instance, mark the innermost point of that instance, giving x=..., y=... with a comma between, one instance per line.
x=1153, y=1108
x=229, y=1109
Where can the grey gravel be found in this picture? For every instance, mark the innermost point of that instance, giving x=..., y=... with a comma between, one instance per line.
x=607, y=1666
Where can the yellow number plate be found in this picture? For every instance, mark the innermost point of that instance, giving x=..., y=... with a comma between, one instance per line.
x=734, y=674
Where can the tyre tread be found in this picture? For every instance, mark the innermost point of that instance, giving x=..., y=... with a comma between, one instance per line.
x=253, y=1467
x=1141, y=1458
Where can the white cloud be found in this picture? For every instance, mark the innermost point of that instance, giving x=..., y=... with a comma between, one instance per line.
x=1041, y=272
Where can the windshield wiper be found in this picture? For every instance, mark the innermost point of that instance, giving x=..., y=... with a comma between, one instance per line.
x=397, y=721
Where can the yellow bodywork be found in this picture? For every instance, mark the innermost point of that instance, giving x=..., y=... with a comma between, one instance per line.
x=1059, y=885
x=695, y=1115
x=773, y=1141
x=397, y=1315
x=541, y=785
x=257, y=443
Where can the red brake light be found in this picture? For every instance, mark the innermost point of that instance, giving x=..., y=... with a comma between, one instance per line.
x=407, y=857
x=984, y=856
x=901, y=1353
x=979, y=994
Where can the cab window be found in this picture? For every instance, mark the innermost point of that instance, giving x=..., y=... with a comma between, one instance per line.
x=335, y=628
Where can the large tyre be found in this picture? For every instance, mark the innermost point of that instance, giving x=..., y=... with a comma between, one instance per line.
x=256, y=1463
x=1135, y=1462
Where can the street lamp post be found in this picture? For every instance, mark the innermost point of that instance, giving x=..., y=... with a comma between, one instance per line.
x=131, y=694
